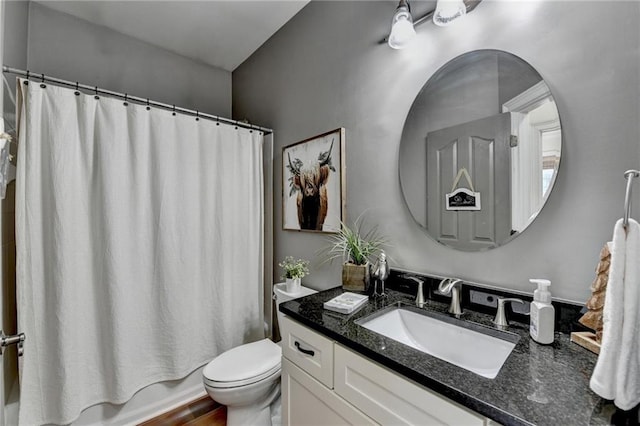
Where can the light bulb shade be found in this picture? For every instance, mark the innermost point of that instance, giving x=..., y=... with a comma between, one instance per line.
x=448, y=11
x=402, y=31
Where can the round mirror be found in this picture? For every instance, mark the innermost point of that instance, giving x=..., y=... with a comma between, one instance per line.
x=480, y=150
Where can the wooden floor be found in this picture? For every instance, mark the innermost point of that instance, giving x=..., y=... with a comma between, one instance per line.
x=201, y=412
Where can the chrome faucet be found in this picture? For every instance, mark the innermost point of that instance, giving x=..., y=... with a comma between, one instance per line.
x=501, y=318
x=419, y=294
x=453, y=286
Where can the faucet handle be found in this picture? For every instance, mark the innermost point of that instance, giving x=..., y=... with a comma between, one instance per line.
x=501, y=318
x=416, y=279
x=447, y=284
x=419, y=294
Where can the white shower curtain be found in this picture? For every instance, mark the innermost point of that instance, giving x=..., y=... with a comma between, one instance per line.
x=139, y=247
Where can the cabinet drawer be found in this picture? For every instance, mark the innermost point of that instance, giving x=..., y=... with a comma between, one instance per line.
x=308, y=350
x=390, y=399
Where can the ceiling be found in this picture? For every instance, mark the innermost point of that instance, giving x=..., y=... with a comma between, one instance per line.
x=221, y=33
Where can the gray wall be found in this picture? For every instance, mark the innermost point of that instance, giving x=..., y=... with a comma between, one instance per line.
x=326, y=69
x=73, y=49
x=15, y=28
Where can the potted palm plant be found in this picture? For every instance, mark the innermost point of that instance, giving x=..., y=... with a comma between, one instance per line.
x=294, y=271
x=355, y=248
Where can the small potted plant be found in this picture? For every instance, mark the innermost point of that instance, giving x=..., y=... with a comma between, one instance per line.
x=294, y=271
x=355, y=248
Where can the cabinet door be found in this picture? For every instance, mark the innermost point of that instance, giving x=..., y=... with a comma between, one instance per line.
x=391, y=399
x=305, y=401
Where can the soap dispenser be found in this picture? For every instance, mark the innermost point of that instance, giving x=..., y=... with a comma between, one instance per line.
x=542, y=313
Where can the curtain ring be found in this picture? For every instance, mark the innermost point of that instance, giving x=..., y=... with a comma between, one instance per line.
x=197, y=115
x=174, y=110
x=217, y=121
x=42, y=85
x=148, y=107
x=125, y=103
x=77, y=93
x=27, y=80
x=96, y=95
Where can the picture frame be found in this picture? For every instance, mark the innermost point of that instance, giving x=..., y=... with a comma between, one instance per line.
x=313, y=183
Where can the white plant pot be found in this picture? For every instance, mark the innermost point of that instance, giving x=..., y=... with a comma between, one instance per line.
x=293, y=285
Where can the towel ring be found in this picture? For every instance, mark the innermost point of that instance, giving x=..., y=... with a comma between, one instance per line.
x=629, y=174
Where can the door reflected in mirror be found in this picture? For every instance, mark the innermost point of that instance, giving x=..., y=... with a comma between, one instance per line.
x=490, y=114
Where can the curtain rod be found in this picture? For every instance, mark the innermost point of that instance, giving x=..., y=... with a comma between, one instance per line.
x=45, y=78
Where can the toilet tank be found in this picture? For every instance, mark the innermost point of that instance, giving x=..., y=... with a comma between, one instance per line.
x=280, y=295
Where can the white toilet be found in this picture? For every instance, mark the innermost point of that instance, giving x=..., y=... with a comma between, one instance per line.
x=247, y=378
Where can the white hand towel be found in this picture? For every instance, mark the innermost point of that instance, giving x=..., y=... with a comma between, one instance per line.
x=617, y=372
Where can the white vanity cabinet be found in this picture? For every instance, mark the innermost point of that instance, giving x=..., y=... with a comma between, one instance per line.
x=307, y=381
x=306, y=401
x=323, y=383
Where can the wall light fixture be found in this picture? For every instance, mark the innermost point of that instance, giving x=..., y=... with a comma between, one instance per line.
x=402, y=31
x=448, y=11
x=445, y=13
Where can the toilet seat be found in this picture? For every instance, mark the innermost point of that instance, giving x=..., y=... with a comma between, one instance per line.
x=244, y=365
x=240, y=383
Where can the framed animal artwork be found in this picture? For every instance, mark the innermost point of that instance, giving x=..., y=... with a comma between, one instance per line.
x=313, y=183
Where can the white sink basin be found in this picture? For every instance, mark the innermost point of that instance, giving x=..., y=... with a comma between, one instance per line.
x=474, y=351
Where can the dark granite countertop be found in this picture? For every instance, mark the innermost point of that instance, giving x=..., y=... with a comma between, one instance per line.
x=542, y=385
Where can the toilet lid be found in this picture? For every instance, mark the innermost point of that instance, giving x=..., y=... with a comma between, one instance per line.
x=244, y=364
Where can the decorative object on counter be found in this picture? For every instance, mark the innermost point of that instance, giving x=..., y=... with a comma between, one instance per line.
x=346, y=303
x=294, y=271
x=617, y=374
x=593, y=318
x=313, y=183
x=462, y=198
x=587, y=340
x=595, y=304
x=380, y=273
x=542, y=313
x=355, y=247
